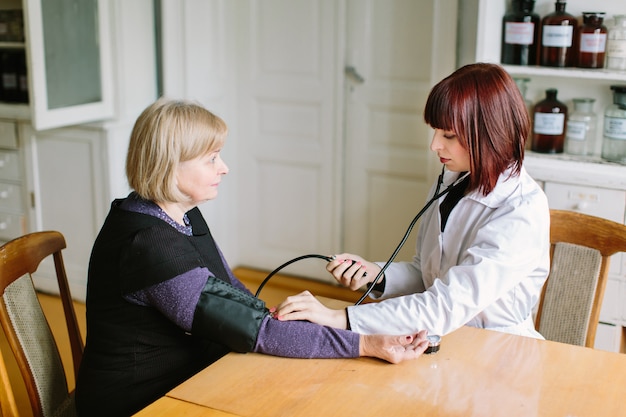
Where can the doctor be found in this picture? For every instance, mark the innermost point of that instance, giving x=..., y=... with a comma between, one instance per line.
x=482, y=252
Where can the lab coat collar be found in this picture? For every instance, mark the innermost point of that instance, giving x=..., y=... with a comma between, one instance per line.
x=507, y=185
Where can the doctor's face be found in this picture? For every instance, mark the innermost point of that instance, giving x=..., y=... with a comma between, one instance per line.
x=449, y=150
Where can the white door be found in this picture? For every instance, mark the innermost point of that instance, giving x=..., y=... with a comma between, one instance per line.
x=400, y=49
x=330, y=163
x=290, y=81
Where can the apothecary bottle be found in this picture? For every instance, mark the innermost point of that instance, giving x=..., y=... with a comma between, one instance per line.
x=522, y=84
x=614, y=136
x=549, y=117
x=592, y=41
x=616, y=45
x=520, y=34
x=559, y=32
x=580, y=137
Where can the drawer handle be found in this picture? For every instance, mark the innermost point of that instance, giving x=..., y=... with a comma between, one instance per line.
x=3, y=226
x=4, y=194
x=583, y=205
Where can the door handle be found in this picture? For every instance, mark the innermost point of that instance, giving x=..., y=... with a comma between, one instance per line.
x=352, y=73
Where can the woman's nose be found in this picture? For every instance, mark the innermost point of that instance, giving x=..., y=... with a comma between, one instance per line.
x=224, y=168
x=435, y=144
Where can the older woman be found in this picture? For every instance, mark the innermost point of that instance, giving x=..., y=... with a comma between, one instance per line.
x=162, y=302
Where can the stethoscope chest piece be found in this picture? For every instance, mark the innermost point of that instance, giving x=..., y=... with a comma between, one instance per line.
x=434, y=342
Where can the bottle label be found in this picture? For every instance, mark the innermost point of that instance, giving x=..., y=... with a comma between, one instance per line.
x=517, y=33
x=576, y=130
x=559, y=36
x=9, y=81
x=594, y=43
x=549, y=123
x=616, y=48
x=615, y=127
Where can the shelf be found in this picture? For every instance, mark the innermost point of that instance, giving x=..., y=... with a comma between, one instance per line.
x=582, y=170
x=577, y=73
x=18, y=111
x=12, y=45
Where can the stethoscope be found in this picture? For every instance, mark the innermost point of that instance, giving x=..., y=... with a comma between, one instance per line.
x=437, y=195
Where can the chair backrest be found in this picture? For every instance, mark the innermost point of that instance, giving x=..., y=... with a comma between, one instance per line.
x=581, y=247
x=27, y=329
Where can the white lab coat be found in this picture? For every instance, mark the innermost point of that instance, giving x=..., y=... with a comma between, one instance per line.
x=485, y=270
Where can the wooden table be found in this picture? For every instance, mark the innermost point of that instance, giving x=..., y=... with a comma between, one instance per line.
x=476, y=373
x=172, y=407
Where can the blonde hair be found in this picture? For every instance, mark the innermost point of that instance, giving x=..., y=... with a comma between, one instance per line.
x=167, y=133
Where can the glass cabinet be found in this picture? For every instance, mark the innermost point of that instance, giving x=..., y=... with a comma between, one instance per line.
x=53, y=52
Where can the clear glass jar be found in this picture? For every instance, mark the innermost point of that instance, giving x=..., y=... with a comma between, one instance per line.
x=522, y=84
x=616, y=45
x=614, y=137
x=580, y=137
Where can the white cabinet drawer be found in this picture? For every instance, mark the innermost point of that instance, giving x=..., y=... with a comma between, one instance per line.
x=611, y=309
x=601, y=202
x=9, y=165
x=8, y=135
x=609, y=337
x=10, y=197
x=11, y=226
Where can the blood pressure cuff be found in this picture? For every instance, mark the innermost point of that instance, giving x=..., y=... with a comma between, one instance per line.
x=227, y=315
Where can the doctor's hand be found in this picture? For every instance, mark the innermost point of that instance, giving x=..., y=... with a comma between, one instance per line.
x=352, y=271
x=394, y=349
x=305, y=306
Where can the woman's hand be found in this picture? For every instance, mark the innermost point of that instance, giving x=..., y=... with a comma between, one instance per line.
x=352, y=271
x=305, y=306
x=394, y=349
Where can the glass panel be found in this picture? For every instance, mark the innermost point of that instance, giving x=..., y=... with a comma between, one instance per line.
x=70, y=33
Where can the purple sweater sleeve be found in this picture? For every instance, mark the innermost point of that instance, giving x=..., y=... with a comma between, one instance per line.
x=177, y=298
x=303, y=339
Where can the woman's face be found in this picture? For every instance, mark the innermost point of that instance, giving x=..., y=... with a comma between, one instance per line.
x=449, y=150
x=199, y=178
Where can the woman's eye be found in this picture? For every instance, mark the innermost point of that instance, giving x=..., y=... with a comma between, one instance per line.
x=449, y=135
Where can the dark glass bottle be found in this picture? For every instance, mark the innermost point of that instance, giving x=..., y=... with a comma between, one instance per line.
x=22, y=76
x=549, y=116
x=8, y=76
x=559, y=38
x=520, y=34
x=592, y=44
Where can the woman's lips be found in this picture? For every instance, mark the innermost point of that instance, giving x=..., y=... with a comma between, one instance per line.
x=443, y=160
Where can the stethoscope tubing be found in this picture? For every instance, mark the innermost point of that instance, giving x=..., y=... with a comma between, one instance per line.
x=437, y=195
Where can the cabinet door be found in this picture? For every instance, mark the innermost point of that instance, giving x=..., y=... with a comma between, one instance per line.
x=65, y=178
x=69, y=61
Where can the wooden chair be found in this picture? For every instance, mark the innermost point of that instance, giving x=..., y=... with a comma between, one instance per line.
x=27, y=329
x=581, y=247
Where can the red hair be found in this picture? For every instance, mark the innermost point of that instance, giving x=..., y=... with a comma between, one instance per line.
x=483, y=106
